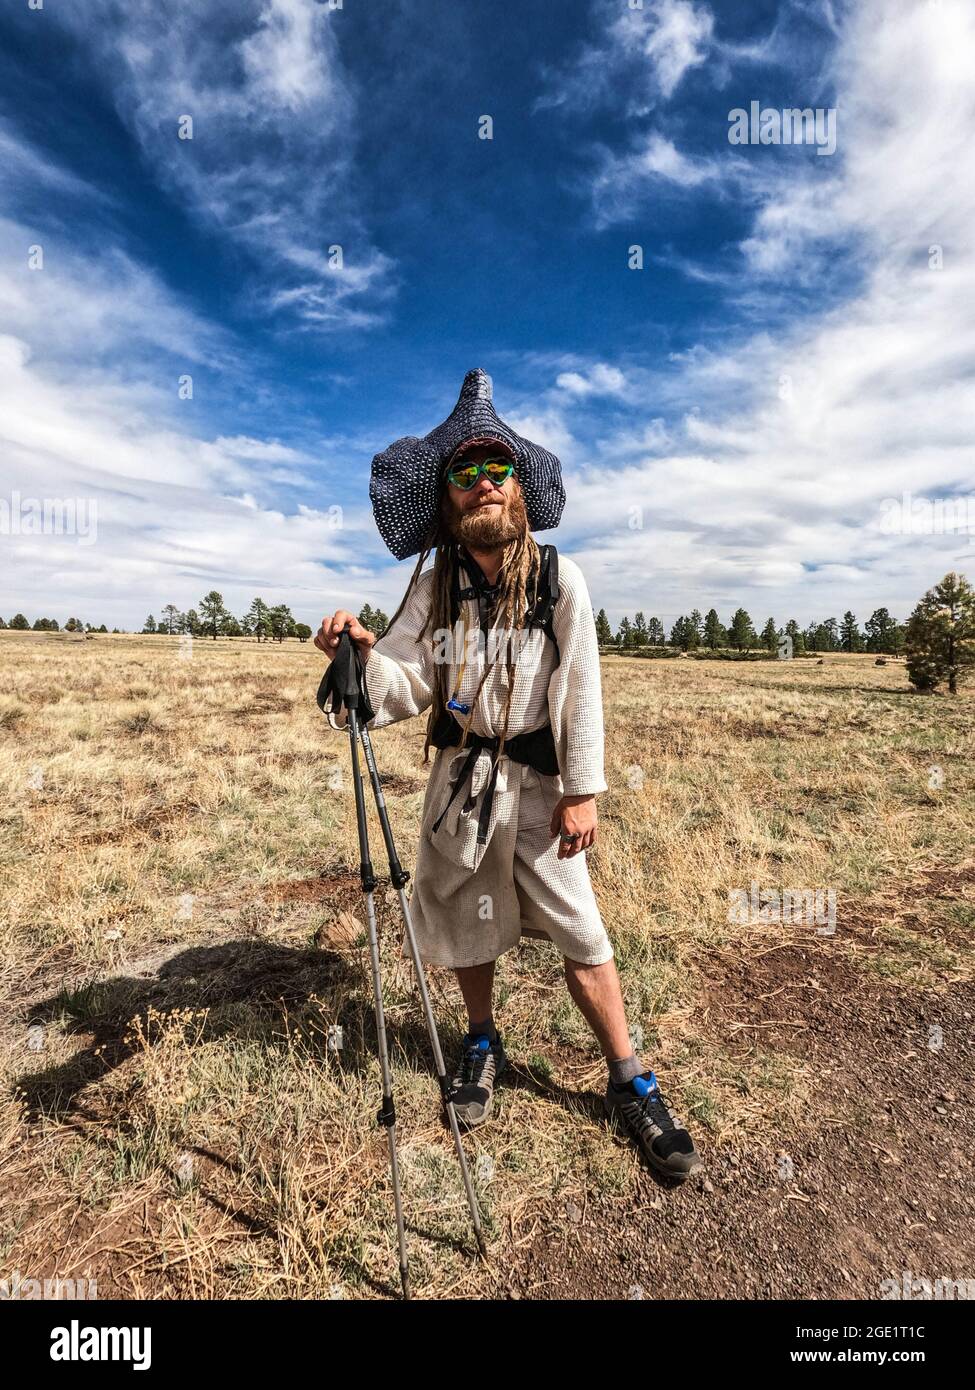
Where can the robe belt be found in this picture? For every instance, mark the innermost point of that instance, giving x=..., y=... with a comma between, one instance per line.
x=536, y=749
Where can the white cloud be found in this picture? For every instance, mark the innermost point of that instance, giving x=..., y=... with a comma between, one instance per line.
x=89, y=412
x=272, y=143
x=623, y=181
x=641, y=54
x=677, y=41
x=902, y=173
x=771, y=494
x=599, y=380
x=107, y=305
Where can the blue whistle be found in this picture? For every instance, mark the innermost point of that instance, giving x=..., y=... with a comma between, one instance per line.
x=454, y=703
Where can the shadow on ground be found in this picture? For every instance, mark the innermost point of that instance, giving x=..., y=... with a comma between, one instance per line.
x=242, y=988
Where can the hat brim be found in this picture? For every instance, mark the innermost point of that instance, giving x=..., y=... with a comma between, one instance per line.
x=476, y=439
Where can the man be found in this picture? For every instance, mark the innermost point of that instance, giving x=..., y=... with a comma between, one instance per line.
x=516, y=718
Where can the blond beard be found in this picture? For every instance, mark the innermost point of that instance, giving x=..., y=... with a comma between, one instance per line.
x=488, y=528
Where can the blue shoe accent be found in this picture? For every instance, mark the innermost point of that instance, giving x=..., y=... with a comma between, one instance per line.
x=482, y=1042
x=642, y=1086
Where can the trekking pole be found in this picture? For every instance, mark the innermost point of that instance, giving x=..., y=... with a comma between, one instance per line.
x=399, y=878
x=342, y=681
x=346, y=680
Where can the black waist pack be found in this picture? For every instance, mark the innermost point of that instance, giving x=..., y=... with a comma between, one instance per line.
x=536, y=748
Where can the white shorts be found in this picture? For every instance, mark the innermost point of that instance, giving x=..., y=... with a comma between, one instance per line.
x=466, y=917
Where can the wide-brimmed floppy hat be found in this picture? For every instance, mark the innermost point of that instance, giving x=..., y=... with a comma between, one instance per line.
x=407, y=477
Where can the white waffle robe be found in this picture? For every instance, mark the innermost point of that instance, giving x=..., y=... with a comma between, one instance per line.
x=471, y=902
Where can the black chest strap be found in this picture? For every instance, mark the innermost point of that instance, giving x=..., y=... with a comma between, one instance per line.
x=542, y=601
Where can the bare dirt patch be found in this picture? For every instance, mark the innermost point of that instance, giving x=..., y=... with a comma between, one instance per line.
x=877, y=1182
x=336, y=889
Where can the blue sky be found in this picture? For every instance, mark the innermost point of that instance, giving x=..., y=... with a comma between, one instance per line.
x=733, y=418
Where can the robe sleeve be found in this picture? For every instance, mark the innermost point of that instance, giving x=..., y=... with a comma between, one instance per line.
x=575, y=697
x=399, y=674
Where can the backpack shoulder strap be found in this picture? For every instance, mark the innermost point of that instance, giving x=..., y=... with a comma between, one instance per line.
x=543, y=603
x=547, y=595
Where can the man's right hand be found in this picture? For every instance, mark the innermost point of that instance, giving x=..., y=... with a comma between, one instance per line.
x=327, y=637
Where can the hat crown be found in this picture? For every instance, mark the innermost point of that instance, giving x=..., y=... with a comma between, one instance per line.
x=477, y=387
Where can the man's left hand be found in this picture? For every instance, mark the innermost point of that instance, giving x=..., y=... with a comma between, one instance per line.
x=576, y=816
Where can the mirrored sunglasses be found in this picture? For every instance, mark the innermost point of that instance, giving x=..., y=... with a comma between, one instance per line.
x=465, y=472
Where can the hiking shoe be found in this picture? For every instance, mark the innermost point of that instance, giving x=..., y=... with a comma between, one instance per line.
x=641, y=1109
x=472, y=1086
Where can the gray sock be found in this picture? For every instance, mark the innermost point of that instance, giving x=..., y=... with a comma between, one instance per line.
x=624, y=1070
x=482, y=1030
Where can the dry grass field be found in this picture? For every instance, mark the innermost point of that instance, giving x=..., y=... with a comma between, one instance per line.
x=181, y=929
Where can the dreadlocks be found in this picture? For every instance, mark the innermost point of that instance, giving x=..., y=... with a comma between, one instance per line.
x=520, y=565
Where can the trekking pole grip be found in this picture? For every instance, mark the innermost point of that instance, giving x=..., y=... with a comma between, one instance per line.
x=345, y=671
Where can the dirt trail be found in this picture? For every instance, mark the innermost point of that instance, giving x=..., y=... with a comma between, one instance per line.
x=883, y=1185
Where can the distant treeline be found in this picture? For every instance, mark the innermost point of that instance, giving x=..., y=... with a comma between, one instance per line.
x=211, y=619
x=214, y=619
x=18, y=623
x=937, y=641
x=881, y=633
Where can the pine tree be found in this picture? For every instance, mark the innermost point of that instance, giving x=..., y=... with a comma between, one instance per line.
x=150, y=624
x=798, y=640
x=639, y=634
x=373, y=619
x=770, y=636
x=741, y=634
x=19, y=623
x=623, y=636
x=282, y=622
x=715, y=633
x=680, y=634
x=823, y=637
x=257, y=620
x=881, y=630
x=655, y=633
x=695, y=629
x=171, y=615
x=604, y=633
x=213, y=613
x=850, y=637
x=941, y=635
